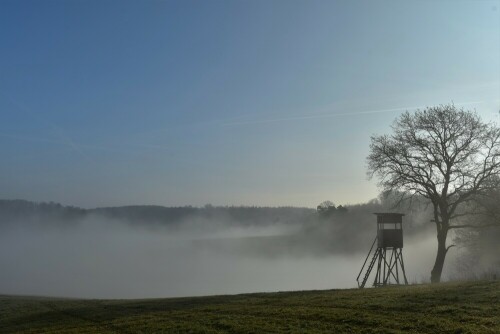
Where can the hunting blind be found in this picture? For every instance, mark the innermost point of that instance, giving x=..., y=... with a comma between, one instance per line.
x=388, y=256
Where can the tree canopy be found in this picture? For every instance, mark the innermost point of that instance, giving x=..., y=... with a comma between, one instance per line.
x=445, y=154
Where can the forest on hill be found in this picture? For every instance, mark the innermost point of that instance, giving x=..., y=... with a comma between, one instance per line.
x=328, y=229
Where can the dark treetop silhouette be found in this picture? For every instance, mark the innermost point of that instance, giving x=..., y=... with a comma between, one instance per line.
x=446, y=155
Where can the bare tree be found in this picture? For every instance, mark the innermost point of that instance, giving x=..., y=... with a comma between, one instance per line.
x=444, y=154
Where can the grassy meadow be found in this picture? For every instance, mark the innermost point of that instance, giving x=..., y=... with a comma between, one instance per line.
x=459, y=307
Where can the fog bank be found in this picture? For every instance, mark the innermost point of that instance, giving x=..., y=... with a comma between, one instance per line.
x=108, y=259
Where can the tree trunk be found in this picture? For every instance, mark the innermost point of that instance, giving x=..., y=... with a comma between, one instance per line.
x=441, y=255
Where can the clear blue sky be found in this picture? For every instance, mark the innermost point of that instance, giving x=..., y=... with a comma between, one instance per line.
x=225, y=102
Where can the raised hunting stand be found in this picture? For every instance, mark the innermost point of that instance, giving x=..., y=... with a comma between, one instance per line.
x=388, y=256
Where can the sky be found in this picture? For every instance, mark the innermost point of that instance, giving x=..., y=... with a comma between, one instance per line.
x=270, y=103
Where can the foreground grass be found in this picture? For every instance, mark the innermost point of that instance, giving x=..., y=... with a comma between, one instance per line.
x=472, y=307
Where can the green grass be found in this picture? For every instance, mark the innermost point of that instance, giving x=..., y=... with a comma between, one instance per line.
x=472, y=307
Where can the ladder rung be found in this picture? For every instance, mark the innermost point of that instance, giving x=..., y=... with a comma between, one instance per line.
x=370, y=267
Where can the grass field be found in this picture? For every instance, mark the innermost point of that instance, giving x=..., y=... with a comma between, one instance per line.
x=472, y=307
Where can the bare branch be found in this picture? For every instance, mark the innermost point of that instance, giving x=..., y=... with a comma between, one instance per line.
x=447, y=156
x=450, y=246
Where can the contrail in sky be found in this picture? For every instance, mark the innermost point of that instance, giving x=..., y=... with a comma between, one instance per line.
x=68, y=142
x=305, y=117
x=28, y=138
x=59, y=142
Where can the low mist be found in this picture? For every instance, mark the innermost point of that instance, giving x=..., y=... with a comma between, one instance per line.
x=102, y=257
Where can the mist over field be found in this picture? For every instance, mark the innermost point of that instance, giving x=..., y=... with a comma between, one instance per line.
x=179, y=148
x=97, y=255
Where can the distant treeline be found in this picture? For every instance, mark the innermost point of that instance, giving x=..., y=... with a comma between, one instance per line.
x=47, y=212
x=349, y=220
x=239, y=215
x=21, y=211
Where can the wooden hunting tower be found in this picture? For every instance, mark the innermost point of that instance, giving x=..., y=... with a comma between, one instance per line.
x=388, y=255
